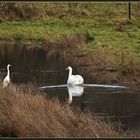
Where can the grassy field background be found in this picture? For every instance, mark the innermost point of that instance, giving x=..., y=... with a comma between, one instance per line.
x=106, y=23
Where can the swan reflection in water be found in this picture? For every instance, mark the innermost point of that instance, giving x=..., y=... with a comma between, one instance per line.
x=74, y=91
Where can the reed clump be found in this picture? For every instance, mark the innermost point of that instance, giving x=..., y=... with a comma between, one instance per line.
x=27, y=112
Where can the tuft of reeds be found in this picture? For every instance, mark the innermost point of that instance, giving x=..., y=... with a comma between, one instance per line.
x=27, y=112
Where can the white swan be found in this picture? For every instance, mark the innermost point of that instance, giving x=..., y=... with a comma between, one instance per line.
x=74, y=79
x=6, y=80
x=74, y=91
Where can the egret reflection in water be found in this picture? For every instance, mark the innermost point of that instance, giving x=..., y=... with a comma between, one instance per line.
x=74, y=91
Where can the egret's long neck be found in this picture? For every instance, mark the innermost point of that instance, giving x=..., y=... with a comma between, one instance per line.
x=8, y=71
x=70, y=72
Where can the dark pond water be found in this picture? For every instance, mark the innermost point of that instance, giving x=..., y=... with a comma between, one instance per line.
x=113, y=102
x=46, y=70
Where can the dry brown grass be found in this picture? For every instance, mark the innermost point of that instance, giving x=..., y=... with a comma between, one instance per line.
x=18, y=11
x=26, y=112
x=23, y=11
x=123, y=21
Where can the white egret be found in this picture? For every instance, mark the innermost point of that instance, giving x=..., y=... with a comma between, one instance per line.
x=74, y=79
x=6, y=80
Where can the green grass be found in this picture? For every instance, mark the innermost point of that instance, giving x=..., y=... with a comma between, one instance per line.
x=34, y=30
x=99, y=25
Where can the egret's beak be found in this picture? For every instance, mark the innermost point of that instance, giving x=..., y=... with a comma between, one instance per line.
x=66, y=69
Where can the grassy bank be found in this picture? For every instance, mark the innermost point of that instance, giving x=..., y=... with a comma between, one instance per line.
x=26, y=112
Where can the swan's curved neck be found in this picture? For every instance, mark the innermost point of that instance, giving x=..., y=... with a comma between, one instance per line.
x=70, y=72
x=8, y=71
